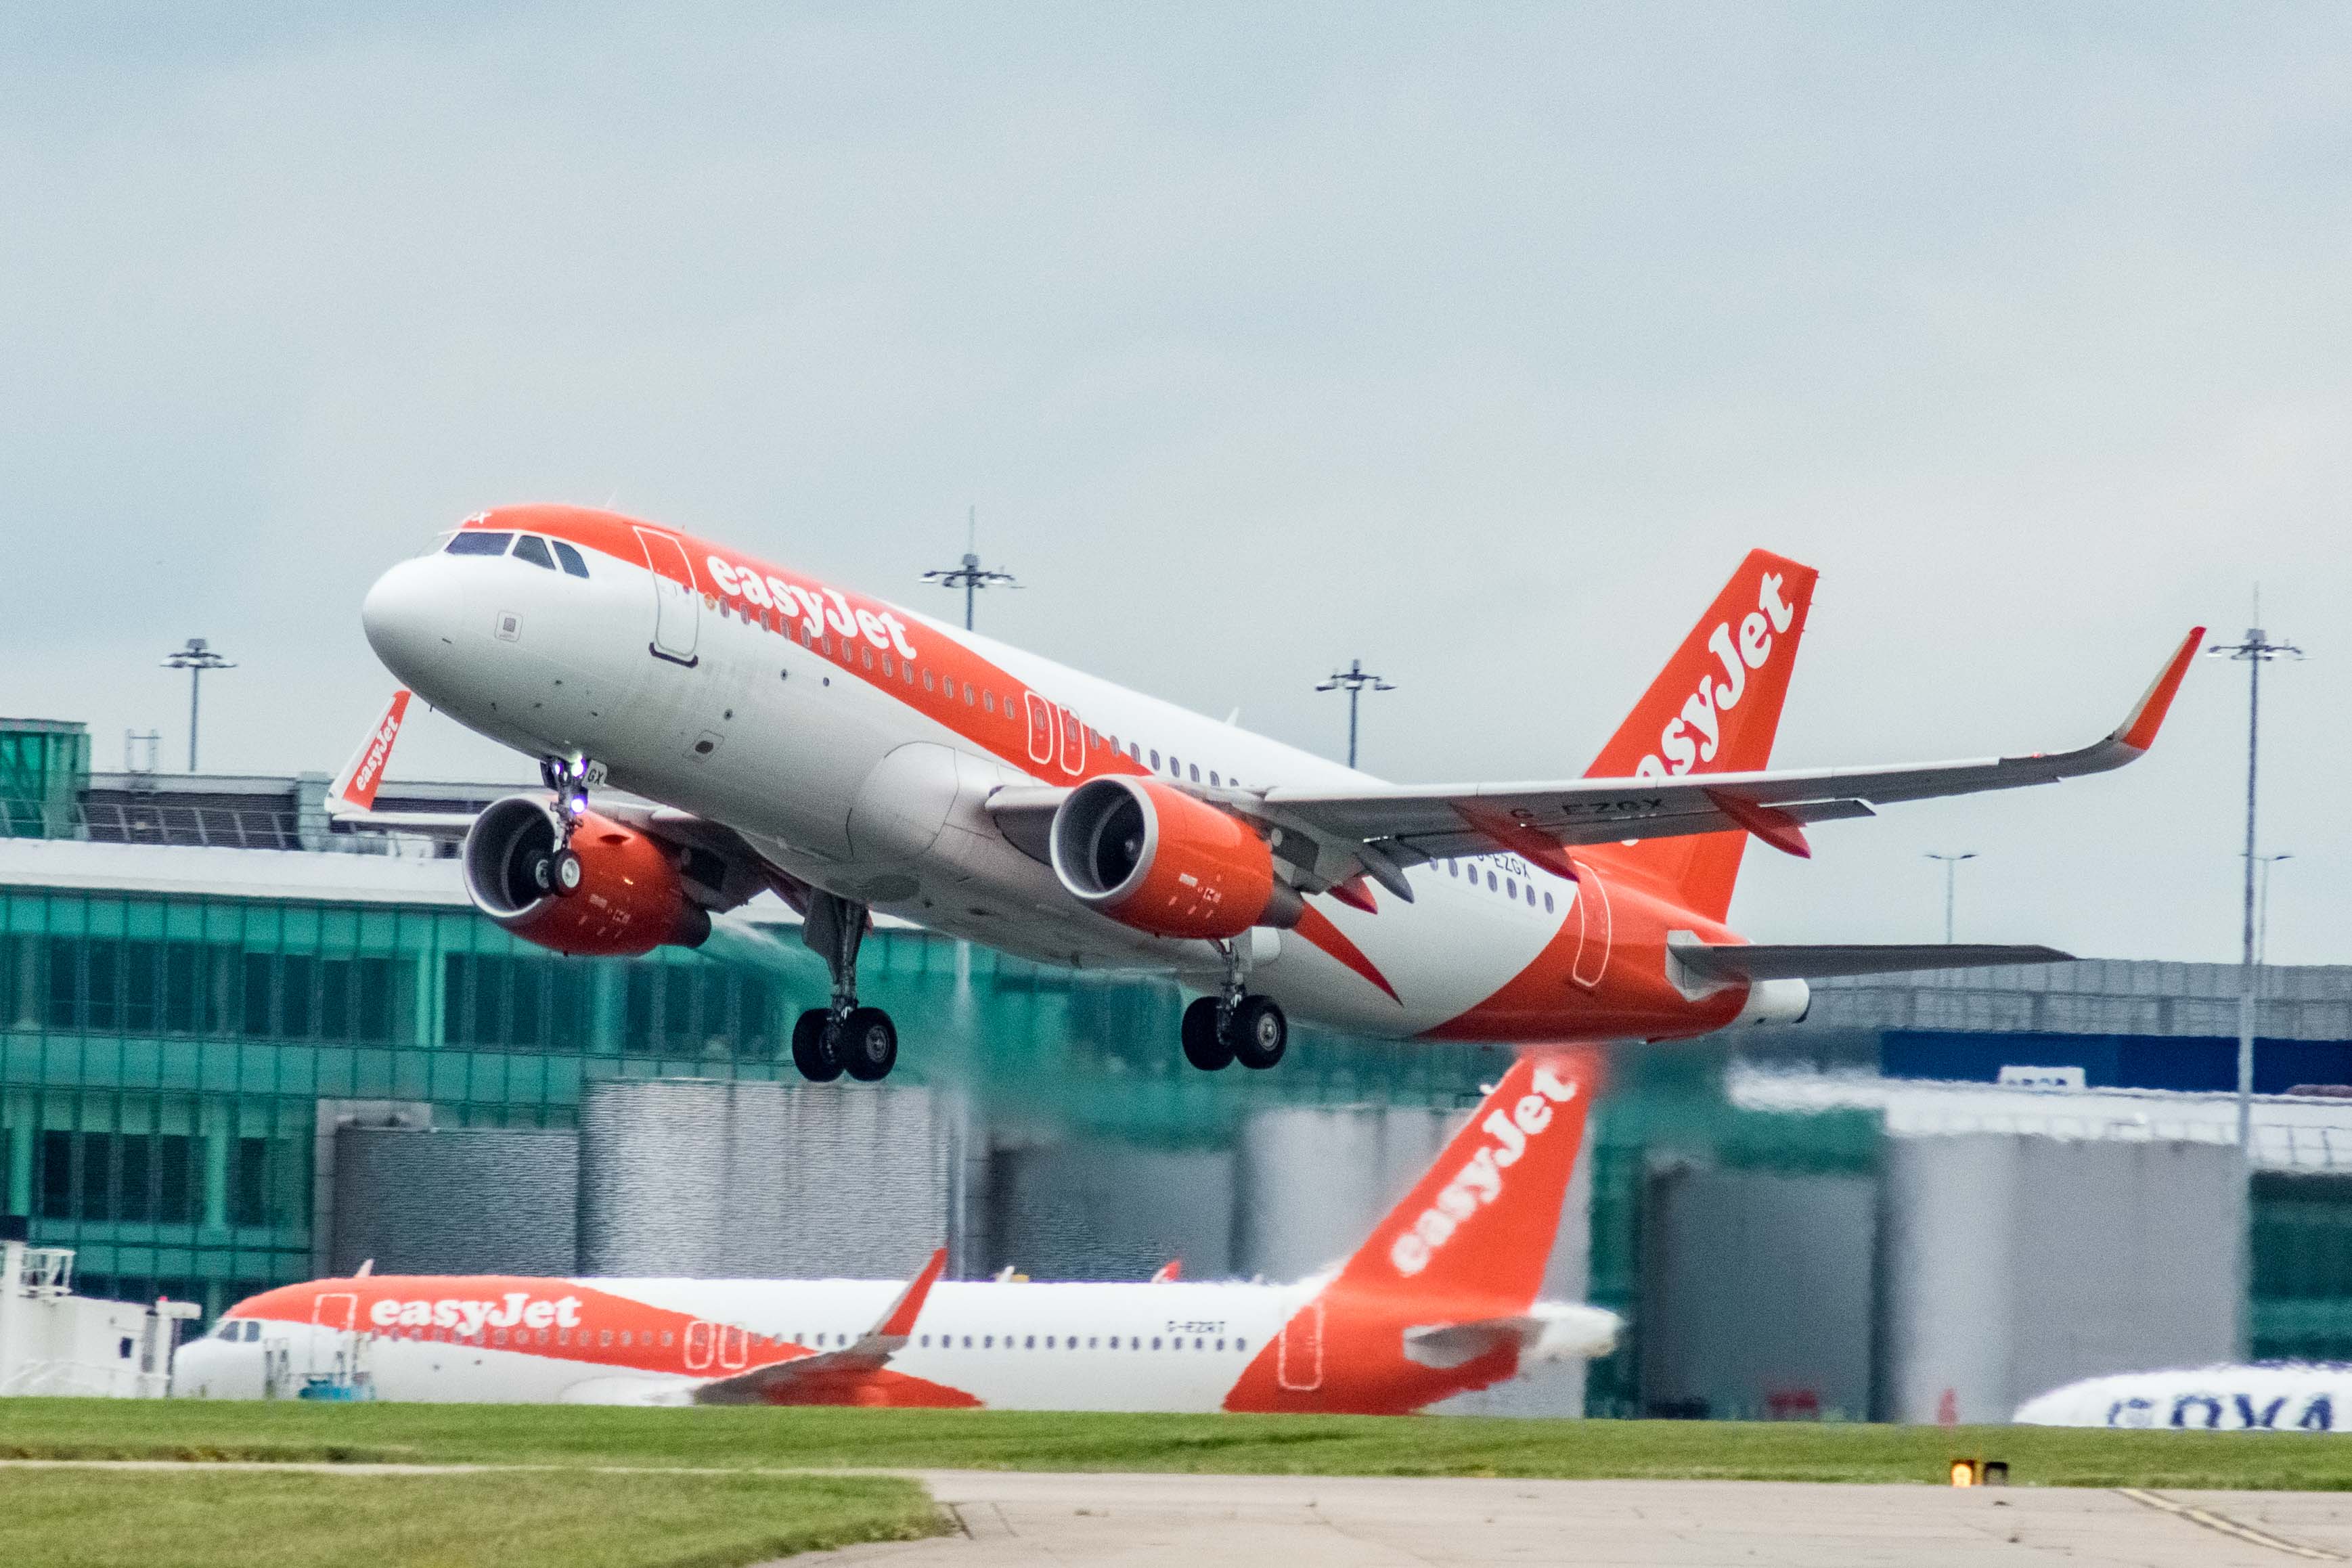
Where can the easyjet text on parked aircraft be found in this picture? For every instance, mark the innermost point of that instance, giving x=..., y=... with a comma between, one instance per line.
x=1440, y=1299
x=855, y=756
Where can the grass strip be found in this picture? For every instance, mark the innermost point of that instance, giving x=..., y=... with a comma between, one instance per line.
x=740, y=1436
x=216, y=1519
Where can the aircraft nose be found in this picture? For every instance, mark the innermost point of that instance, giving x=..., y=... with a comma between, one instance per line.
x=410, y=617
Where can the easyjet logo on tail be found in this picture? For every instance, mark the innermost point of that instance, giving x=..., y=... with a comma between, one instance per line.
x=367, y=769
x=1694, y=735
x=1479, y=1182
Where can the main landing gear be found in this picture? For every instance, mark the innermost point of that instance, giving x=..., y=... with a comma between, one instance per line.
x=845, y=1037
x=1233, y=1026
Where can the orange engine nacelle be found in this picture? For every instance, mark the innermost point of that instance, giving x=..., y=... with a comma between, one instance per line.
x=630, y=898
x=1162, y=861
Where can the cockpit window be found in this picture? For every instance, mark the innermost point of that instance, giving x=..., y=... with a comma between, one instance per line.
x=533, y=549
x=468, y=541
x=570, y=559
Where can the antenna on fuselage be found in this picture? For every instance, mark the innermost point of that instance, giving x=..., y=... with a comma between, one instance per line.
x=970, y=576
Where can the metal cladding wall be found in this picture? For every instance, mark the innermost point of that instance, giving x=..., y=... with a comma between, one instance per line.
x=1100, y=1211
x=1310, y=1183
x=463, y=1201
x=708, y=1179
x=2015, y=1264
x=1759, y=1292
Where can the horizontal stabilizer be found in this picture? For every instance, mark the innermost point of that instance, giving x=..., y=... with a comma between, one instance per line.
x=1810, y=961
x=1547, y=1331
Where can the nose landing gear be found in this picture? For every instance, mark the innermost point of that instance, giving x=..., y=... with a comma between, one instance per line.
x=1235, y=1026
x=556, y=871
x=845, y=1037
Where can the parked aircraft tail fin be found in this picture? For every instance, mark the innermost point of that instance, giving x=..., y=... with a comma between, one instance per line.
x=1479, y=1227
x=354, y=790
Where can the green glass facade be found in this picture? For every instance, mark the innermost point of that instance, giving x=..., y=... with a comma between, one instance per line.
x=44, y=769
x=162, y=1056
x=2300, y=1306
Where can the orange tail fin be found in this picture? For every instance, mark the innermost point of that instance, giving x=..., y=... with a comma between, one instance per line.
x=1713, y=708
x=354, y=790
x=1479, y=1227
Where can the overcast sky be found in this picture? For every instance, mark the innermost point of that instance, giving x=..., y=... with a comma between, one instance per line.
x=1477, y=342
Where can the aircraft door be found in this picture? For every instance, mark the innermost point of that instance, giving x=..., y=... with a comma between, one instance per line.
x=1074, y=743
x=699, y=1336
x=1592, y=912
x=676, y=607
x=337, y=1310
x=1040, y=730
x=1299, y=1355
x=734, y=1347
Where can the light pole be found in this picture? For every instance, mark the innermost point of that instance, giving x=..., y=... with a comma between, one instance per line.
x=970, y=576
x=195, y=658
x=1951, y=868
x=2256, y=650
x=2262, y=921
x=1353, y=680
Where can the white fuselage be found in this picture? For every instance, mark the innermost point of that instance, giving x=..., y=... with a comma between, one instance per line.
x=1008, y=1345
x=861, y=787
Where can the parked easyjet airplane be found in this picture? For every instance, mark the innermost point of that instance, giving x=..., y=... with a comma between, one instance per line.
x=1440, y=1299
x=854, y=755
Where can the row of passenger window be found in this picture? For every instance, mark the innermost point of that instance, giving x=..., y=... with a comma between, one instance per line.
x=947, y=687
x=645, y=1339
x=1070, y=1341
x=526, y=547
x=1510, y=887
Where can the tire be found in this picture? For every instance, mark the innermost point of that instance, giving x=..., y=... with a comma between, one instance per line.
x=564, y=871
x=1205, y=1048
x=539, y=870
x=1258, y=1032
x=812, y=1050
x=866, y=1044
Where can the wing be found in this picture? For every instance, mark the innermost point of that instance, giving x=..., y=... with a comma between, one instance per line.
x=1760, y=961
x=811, y=1379
x=1333, y=835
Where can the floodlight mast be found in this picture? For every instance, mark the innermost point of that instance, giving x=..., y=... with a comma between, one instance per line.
x=2254, y=649
x=1951, y=864
x=970, y=575
x=195, y=658
x=1354, y=680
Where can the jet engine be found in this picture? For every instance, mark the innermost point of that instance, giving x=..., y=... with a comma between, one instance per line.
x=1161, y=861
x=619, y=895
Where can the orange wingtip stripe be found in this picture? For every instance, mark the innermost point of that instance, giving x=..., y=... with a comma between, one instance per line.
x=901, y=1320
x=2140, y=733
x=1316, y=927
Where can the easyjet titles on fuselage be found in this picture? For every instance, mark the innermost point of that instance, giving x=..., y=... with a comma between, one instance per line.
x=516, y=1309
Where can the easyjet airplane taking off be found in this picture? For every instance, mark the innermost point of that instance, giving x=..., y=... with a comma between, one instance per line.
x=855, y=756
x=1440, y=1299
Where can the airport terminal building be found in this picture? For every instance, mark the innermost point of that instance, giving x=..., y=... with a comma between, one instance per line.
x=240, y=1046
